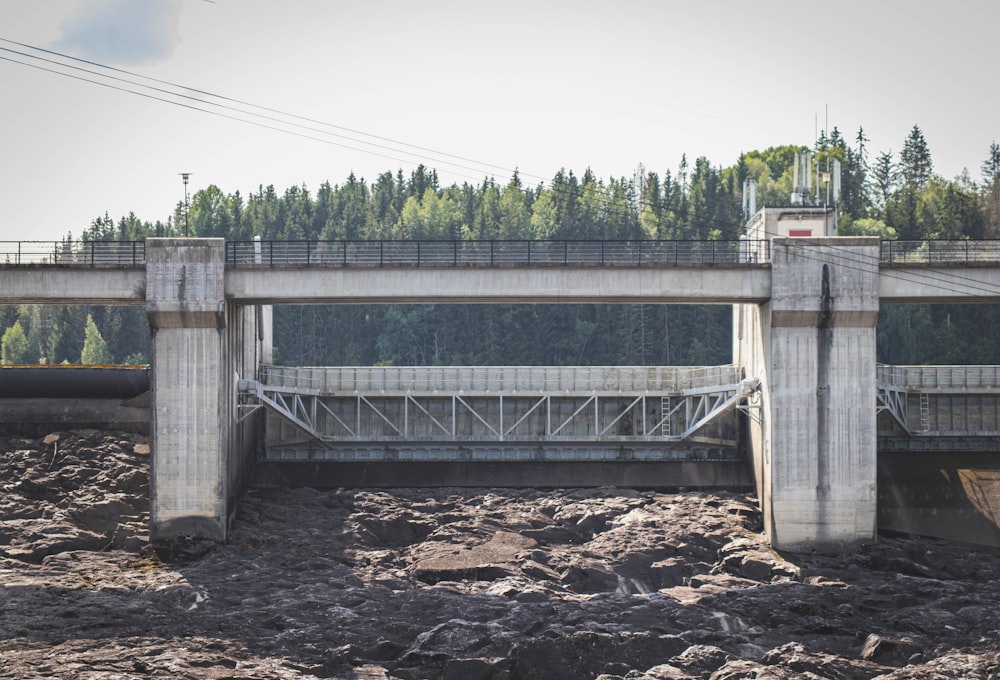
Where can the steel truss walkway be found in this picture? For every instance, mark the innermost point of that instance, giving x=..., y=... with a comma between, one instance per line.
x=499, y=413
x=939, y=407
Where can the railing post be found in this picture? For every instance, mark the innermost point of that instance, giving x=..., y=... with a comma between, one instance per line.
x=93, y=253
x=529, y=252
x=418, y=253
x=565, y=253
x=454, y=259
x=639, y=262
x=381, y=253
x=602, y=252
x=308, y=252
x=344, y=243
x=491, y=252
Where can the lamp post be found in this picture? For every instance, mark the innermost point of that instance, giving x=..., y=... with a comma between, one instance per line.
x=187, y=207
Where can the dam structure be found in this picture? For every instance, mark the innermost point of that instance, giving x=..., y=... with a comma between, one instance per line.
x=804, y=384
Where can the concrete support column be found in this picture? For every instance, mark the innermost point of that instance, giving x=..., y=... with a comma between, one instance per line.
x=192, y=389
x=813, y=347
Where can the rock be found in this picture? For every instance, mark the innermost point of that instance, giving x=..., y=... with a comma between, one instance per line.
x=415, y=584
x=585, y=654
x=476, y=669
x=479, y=563
x=890, y=651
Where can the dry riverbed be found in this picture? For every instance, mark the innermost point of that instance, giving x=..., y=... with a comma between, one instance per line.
x=462, y=584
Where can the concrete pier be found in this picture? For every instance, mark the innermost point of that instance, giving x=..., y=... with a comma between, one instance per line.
x=200, y=345
x=813, y=438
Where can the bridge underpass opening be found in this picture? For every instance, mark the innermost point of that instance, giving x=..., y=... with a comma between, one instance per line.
x=74, y=366
x=939, y=425
x=525, y=425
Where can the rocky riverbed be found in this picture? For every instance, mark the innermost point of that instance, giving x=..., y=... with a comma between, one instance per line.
x=459, y=584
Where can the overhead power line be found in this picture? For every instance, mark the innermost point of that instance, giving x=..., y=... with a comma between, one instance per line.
x=266, y=121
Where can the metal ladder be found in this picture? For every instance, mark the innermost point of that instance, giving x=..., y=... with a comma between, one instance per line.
x=925, y=412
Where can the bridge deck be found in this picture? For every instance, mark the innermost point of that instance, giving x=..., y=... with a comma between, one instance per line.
x=290, y=272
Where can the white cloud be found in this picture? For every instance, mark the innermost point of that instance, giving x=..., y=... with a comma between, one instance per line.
x=122, y=32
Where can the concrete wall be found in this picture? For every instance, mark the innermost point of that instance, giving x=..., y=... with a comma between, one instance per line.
x=249, y=344
x=813, y=347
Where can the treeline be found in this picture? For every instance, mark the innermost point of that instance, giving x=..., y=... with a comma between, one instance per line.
x=888, y=195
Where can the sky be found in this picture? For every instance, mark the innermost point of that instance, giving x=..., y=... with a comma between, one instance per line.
x=298, y=92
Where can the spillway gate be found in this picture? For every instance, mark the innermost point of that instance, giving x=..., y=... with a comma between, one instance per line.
x=499, y=413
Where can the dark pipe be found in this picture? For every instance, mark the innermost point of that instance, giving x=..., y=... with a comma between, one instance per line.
x=73, y=382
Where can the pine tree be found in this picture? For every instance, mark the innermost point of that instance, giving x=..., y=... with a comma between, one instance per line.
x=883, y=176
x=14, y=346
x=991, y=166
x=95, y=349
x=915, y=163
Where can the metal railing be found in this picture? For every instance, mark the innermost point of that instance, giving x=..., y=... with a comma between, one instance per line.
x=74, y=253
x=496, y=379
x=963, y=379
x=962, y=251
x=493, y=253
x=496, y=253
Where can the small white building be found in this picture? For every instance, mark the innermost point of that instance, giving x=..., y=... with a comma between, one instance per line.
x=793, y=221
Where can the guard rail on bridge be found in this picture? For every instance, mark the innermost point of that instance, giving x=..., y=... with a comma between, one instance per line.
x=86, y=254
x=489, y=253
x=497, y=253
x=963, y=252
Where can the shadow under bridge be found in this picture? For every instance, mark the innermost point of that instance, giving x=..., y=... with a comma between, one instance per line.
x=647, y=426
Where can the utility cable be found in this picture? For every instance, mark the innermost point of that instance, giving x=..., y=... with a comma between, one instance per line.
x=221, y=114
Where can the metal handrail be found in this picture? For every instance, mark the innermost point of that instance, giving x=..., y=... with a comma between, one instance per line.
x=510, y=379
x=496, y=253
x=485, y=253
x=944, y=251
x=89, y=254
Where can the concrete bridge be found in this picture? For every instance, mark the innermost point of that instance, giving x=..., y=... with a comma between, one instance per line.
x=804, y=329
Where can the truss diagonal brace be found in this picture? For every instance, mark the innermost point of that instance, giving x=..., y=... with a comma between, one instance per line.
x=893, y=400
